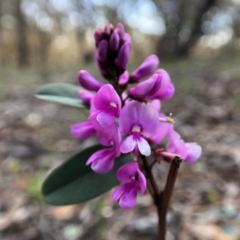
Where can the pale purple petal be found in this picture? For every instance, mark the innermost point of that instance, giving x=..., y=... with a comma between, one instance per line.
x=127, y=172
x=147, y=68
x=120, y=29
x=176, y=144
x=128, y=144
x=143, y=146
x=107, y=100
x=168, y=93
x=82, y=131
x=129, y=198
x=156, y=104
x=102, y=161
x=161, y=132
x=194, y=152
x=142, y=182
x=105, y=120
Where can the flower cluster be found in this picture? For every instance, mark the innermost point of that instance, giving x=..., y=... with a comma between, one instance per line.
x=128, y=121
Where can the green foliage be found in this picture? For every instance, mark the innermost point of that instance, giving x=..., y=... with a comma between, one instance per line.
x=74, y=182
x=63, y=93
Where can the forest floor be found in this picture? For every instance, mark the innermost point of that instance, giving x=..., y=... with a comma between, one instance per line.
x=34, y=138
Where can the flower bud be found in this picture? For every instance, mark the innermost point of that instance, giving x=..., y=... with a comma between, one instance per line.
x=147, y=68
x=120, y=29
x=87, y=81
x=102, y=50
x=127, y=38
x=168, y=93
x=108, y=29
x=123, y=78
x=114, y=41
x=123, y=56
x=98, y=36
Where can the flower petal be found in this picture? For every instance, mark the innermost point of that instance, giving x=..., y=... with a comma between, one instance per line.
x=105, y=120
x=194, y=151
x=143, y=146
x=102, y=161
x=128, y=144
x=83, y=130
x=142, y=182
x=107, y=100
x=127, y=172
x=129, y=198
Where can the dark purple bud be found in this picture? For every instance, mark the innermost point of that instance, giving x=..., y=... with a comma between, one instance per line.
x=102, y=50
x=147, y=68
x=86, y=96
x=108, y=29
x=123, y=79
x=127, y=38
x=120, y=29
x=87, y=81
x=123, y=56
x=101, y=67
x=98, y=36
x=114, y=41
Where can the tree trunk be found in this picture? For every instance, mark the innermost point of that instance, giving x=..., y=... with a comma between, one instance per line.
x=22, y=41
x=171, y=44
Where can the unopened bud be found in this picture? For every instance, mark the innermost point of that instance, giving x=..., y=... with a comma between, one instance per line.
x=123, y=79
x=147, y=68
x=87, y=81
x=114, y=41
x=123, y=56
x=102, y=50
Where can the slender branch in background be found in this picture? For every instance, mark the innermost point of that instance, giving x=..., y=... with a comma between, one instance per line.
x=165, y=196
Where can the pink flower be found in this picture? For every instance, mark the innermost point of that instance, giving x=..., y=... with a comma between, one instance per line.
x=138, y=121
x=190, y=152
x=83, y=130
x=132, y=179
x=86, y=96
x=107, y=106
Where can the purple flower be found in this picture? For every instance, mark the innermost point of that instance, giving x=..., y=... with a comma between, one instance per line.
x=114, y=42
x=148, y=67
x=138, y=121
x=190, y=152
x=87, y=81
x=102, y=161
x=102, y=50
x=133, y=180
x=158, y=86
x=107, y=106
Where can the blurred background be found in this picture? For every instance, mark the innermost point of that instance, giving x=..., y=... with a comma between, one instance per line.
x=198, y=43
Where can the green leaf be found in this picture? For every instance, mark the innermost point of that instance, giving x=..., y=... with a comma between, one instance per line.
x=74, y=182
x=63, y=93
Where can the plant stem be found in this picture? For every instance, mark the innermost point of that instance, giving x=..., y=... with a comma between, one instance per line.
x=165, y=196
